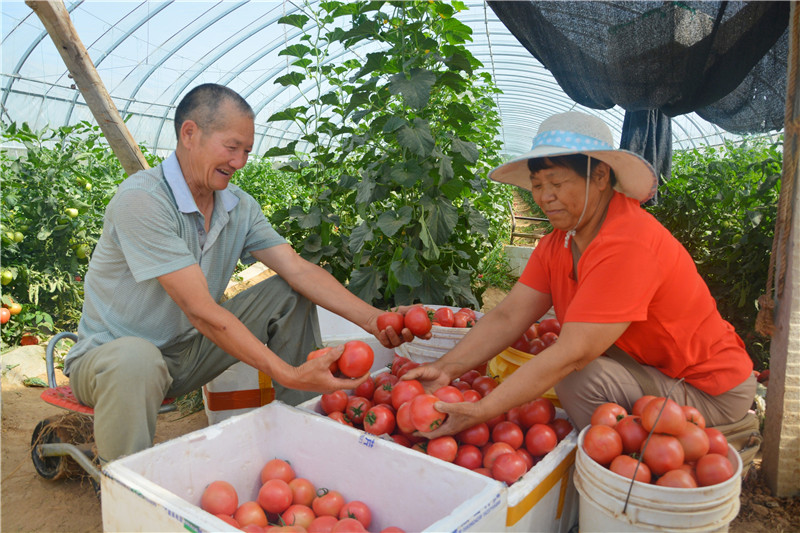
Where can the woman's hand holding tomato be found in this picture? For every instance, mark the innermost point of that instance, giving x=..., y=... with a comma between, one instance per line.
x=460, y=416
x=384, y=327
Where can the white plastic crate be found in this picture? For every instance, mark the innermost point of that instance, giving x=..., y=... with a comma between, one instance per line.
x=159, y=489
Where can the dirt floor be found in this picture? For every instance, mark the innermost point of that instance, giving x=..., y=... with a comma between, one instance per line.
x=30, y=503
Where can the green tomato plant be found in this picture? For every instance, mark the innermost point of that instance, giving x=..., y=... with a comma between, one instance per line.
x=393, y=152
x=721, y=204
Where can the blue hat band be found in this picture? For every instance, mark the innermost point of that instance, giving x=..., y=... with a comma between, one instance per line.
x=570, y=140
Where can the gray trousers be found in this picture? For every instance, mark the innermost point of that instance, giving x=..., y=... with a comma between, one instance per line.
x=605, y=380
x=126, y=380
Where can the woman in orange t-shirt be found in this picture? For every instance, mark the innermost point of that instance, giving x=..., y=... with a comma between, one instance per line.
x=614, y=276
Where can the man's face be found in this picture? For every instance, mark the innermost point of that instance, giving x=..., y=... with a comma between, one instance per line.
x=214, y=155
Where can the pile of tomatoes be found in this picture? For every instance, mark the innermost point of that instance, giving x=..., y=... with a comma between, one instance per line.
x=420, y=319
x=680, y=452
x=503, y=448
x=539, y=336
x=286, y=502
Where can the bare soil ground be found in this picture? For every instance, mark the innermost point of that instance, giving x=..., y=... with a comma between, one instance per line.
x=31, y=503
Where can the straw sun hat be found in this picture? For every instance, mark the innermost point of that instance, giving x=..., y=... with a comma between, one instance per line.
x=573, y=133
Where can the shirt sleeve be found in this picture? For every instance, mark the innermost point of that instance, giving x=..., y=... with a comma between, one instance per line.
x=148, y=232
x=616, y=283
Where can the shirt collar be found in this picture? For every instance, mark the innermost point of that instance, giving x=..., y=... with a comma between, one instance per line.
x=183, y=196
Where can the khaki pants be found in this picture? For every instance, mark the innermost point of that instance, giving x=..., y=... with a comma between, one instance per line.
x=126, y=380
x=605, y=380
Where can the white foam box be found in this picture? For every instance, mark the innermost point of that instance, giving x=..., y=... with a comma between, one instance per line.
x=545, y=499
x=159, y=489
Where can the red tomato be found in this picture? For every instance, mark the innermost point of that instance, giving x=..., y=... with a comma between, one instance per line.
x=298, y=515
x=484, y=385
x=694, y=416
x=562, y=427
x=540, y=439
x=423, y=414
x=219, y=497
x=625, y=465
x=228, y=519
x=460, y=385
x=717, y=443
x=250, y=513
x=526, y=455
x=492, y=422
x=366, y=389
x=639, y=405
x=417, y=321
x=444, y=316
x=472, y=396
x=477, y=435
x=386, y=377
x=329, y=503
x=379, y=420
x=5, y=315
x=348, y=525
x=602, y=444
x=539, y=411
x=323, y=524
x=303, y=491
x=549, y=325
x=468, y=456
x=333, y=402
x=678, y=478
x=713, y=468
x=449, y=394
x=396, y=363
x=390, y=318
x=522, y=344
x=341, y=418
x=463, y=320
x=508, y=432
x=469, y=376
x=356, y=360
x=277, y=469
x=275, y=496
x=512, y=415
x=358, y=510
x=509, y=467
x=403, y=419
x=532, y=332
x=549, y=338
x=444, y=448
x=401, y=371
x=404, y=391
x=670, y=421
x=357, y=408
x=695, y=442
x=662, y=453
x=383, y=394
x=484, y=471
x=469, y=312
x=537, y=346
x=495, y=450
x=401, y=439
x=608, y=414
x=632, y=433
x=690, y=469
x=319, y=353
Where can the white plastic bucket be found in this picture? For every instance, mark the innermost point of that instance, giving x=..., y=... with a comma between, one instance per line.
x=602, y=496
x=442, y=340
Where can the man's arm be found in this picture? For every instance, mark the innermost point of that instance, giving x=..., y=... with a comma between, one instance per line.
x=188, y=288
x=319, y=286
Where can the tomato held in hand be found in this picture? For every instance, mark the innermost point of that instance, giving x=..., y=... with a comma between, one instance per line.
x=356, y=360
x=319, y=353
x=424, y=416
x=417, y=321
x=391, y=318
x=405, y=391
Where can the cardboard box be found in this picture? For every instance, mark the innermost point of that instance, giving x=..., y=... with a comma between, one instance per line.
x=159, y=489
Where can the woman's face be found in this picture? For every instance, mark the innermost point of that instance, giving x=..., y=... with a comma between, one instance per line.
x=560, y=193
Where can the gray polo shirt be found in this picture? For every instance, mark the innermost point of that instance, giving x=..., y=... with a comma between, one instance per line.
x=152, y=227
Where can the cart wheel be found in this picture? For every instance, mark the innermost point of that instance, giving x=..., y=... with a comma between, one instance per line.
x=70, y=428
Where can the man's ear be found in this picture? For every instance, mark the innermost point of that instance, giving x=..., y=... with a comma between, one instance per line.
x=190, y=131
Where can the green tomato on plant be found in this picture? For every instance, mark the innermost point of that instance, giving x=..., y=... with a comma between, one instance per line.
x=71, y=212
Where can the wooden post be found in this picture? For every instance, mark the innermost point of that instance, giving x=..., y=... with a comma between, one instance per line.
x=55, y=18
x=781, y=450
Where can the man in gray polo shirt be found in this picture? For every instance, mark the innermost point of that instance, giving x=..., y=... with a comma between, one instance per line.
x=152, y=326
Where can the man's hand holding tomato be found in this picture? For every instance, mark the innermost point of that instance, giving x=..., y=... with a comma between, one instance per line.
x=315, y=374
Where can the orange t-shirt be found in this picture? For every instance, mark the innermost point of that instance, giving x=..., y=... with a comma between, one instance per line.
x=635, y=271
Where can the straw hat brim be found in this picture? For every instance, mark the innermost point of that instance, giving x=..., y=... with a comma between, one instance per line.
x=635, y=176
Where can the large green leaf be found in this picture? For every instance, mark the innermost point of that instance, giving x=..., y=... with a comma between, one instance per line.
x=295, y=50
x=293, y=78
x=310, y=219
x=366, y=283
x=374, y=62
x=478, y=222
x=406, y=174
x=417, y=138
x=295, y=20
x=467, y=149
x=360, y=235
x=278, y=150
x=390, y=222
x=440, y=217
x=365, y=190
x=430, y=251
x=416, y=89
x=407, y=273
x=393, y=123
x=433, y=288
x=461, y=288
